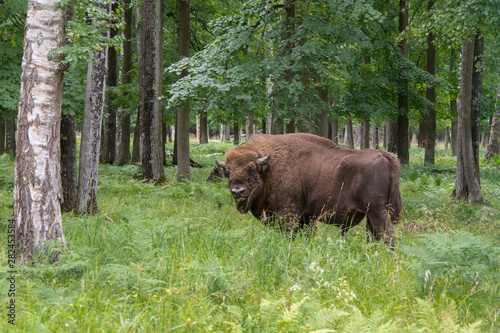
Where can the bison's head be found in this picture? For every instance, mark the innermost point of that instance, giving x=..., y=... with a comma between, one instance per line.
x=246, y=173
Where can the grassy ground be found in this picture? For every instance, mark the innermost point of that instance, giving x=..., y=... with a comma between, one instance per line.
x=179, y=258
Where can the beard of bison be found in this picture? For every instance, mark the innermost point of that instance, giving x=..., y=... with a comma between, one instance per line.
x=245, y=183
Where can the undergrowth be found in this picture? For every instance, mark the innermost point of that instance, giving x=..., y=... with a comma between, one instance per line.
x=179, y=257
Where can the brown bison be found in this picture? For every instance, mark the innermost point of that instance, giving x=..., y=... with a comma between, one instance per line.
x=298, y=179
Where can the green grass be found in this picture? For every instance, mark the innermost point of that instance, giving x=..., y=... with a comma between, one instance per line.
x=180, y=258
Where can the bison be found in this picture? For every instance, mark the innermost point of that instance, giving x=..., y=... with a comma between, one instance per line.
x=295, y=180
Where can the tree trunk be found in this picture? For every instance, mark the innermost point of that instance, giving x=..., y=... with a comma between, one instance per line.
x=430, y=128
x=365, y=135
x=227, y=133
x=109, y=128
x=37, y=180
x=447, y=137
x=386, y=134
x=403, y=123
x=10, y=136
x=467, y=186
x=249, y=128
x=494, y=144
x=136, y=146
x=349, y=137
x=182, y=127
x=124, y=145
x=392, y=137
x=477, y=88
x=335, y=129
x=91, y=133
x=236, y=136
x=454, y=127
x=151, y=115
x=276, y=127
x=2, y=137
x=139, y=32
x=322, y=118
x=69, y=173
x=375, y=137
x=203, y=128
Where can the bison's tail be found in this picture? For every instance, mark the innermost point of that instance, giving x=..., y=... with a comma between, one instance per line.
x=395, y=201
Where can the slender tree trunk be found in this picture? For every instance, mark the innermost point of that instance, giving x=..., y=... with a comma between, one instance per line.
x=447, y=137
x=2, y=137
x=322, y=119
x=69, y=173
x=10, y=136
x=403, y=122
x=203, y=128
x=136, y=145
x=236, y=136
x=365, y=135
x=349, y=137
x=430, y=128
x=91, y=133
x=182, y=127
x=227, y=133
x=335, y=129
x=467, y=186
x=453, y=106
x=386, y=134
x=109, y=129
x=37, y=180
x=477, y=88
x=454, y=127
x=249, y=128
x=375, y=137
x=392, y=137
x=151, y=115
x=494, y=144
x=139, y=32
x=124, y=145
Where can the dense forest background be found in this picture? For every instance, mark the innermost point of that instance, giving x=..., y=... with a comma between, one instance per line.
x=273, y=66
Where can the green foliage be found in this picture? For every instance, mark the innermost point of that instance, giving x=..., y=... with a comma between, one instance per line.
x=456, y=262
x=88, y=28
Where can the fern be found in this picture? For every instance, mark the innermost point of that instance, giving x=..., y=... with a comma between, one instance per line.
x=445, y=322
x=455, y=261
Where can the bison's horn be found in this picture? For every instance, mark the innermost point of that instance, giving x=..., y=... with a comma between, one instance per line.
x=220, y=163
x=264, y=160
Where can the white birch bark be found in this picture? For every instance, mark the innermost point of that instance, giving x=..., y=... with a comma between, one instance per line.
x=37, y=185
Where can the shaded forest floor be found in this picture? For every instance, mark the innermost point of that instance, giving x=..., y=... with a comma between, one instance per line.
x=179, y=257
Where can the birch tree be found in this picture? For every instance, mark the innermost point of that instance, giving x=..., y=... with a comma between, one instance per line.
x=37, y=185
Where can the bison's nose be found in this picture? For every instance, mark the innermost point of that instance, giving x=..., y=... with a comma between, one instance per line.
x=237, y=191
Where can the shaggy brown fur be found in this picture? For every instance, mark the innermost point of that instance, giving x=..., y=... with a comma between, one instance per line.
x=302, y=178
